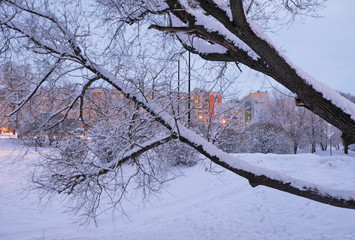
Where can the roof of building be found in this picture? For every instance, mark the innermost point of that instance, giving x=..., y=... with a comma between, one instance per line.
x=260, y=97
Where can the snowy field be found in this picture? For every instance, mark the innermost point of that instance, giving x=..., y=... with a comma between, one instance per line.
x=198, y=205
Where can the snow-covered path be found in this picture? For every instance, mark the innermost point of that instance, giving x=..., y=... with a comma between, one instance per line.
x=198, y=205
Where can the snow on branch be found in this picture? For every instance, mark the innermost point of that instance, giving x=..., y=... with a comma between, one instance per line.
x=28, y=98
x=49, y=48
x=70, y=50
x=200, y=25
x=213, y=25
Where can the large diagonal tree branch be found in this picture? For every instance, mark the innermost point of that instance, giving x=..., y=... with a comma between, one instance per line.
x=309, y=92
x=287, y=74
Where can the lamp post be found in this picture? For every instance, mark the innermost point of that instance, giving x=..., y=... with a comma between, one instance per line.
x=189, y=92
x=178, y=110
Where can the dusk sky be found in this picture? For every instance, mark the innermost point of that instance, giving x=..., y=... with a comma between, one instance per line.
x=324, y=47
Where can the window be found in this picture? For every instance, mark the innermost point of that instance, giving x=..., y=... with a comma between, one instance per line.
x=248, y=111
x=248, y=115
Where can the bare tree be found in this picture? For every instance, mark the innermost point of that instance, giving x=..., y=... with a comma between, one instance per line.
x=301, y=126
x=314, y=130
x=292, y=119
x=73, y=40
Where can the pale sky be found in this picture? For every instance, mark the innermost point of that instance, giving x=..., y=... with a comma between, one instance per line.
x=324, y=47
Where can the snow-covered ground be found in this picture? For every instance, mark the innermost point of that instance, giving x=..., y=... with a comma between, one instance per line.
x=198, y=205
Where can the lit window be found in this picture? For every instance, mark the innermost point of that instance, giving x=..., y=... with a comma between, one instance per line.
x=248, y=115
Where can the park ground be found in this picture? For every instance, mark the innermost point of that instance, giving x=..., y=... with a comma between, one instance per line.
x=197, y=205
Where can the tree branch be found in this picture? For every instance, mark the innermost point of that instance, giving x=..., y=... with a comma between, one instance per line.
x=36, y=89
x=309, y=191
x=70, y=182
x=174, y=29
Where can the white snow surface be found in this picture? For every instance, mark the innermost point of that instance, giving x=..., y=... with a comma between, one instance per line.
x=197, y=205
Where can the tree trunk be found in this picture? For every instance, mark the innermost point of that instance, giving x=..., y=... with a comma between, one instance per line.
x=295, y=147
x=346, y=147
x=313, y=147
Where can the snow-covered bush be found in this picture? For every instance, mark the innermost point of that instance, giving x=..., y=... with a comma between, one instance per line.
x=46, y=129
x=178, y=154
x=268, y=138
x=234, y=139
x=103, y=163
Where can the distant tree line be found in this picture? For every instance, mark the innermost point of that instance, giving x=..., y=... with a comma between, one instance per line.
x=281, y=127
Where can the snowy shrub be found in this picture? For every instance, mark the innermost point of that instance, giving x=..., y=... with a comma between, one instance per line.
x=176, y=153
x=72, y=150
x=45, y=128
x=99, y=167
x=234, y=140
x=108, y=141
x=268, y=138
